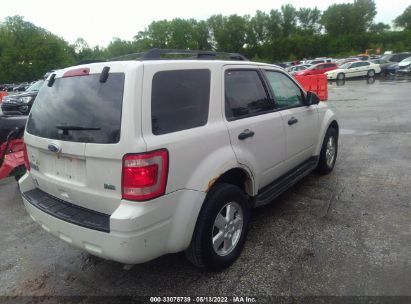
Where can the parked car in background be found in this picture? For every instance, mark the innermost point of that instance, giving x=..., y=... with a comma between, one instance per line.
x=362, y=57
x=354, y=69
x=396, y=57
x=297, y=68
x=317, y=69
x=316, y=61
x=340, y=62
x=405, y=66
x=384, y=63
x=21, y=103
x=8, y=87
x=21, y=87
x=282, y=65
x=392, y=68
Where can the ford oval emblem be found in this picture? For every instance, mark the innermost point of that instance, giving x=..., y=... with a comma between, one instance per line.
x=54, y=148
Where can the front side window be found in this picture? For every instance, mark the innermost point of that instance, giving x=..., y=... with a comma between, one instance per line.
x=245, y=94
x=286, y=92
x=179, y=100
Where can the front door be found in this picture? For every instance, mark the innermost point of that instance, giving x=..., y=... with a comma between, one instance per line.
x=301, y=123
x=256, y=129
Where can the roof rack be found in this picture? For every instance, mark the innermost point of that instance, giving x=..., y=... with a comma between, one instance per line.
x=172, y=54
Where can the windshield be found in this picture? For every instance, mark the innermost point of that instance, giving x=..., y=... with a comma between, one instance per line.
x=35, y=86
x=406, y=60
x=79, y=109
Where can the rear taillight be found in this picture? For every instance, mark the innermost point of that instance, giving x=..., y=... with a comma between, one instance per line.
x=26, y=157
x=144, y=176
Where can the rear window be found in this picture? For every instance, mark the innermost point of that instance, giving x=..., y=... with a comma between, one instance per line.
x=79, y=109
x=179, y=100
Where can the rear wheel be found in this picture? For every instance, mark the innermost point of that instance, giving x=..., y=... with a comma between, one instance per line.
x=371, y=73
x=329, y=150
x=341, y=76
x=221, y=228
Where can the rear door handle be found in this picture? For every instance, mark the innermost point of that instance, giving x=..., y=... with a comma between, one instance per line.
x=246, y=133
x=292, y=121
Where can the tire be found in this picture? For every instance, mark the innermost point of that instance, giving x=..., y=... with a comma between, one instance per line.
x=370, y=73
x=341, y=76
x=325, y=163
x=202, y=252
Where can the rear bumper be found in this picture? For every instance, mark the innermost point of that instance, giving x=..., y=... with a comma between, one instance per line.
x=139, y=232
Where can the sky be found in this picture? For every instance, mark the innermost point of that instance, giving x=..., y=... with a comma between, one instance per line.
x=100, y=21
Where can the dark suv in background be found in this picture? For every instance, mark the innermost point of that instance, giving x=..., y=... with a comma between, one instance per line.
x=21, y=103
x=393, y=59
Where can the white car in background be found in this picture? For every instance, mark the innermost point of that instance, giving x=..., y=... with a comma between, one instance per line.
x=297, y=68
x=354, y=69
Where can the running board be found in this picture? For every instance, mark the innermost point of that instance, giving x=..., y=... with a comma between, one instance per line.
x=267, y=194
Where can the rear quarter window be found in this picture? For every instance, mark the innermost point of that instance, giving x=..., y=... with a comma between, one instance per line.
x=179, y=100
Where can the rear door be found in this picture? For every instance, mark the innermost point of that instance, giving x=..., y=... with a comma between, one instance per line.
x=256, y=130
x=74, y=139
x=301, y=123
x=319, y=69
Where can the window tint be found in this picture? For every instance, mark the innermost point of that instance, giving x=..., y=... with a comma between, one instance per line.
x=179, y=100
x=361, y=64
x=321, y=66
x=72, y=103
x=245, y=94
x=403, y=56
x=330, y=65
x=286, y=92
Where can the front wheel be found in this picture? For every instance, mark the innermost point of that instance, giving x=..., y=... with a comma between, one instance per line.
x=329, y=150
x=371, y=73
x=221, y=228
x=341, y=76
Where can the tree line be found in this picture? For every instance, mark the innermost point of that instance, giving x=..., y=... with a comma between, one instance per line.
x=28, y=51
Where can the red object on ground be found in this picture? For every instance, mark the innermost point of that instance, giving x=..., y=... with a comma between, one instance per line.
x=2, y=94
x=315, y=83
x=317, y=69
x=14, y=157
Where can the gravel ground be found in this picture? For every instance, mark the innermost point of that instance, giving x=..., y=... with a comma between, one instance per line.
x=345, y=234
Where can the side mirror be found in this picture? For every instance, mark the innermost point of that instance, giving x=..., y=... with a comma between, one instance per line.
x=311, y=99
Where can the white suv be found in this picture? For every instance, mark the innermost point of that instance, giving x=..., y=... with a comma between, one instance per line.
x=131, y=160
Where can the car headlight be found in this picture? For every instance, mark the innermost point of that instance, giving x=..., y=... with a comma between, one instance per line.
x=25, y=99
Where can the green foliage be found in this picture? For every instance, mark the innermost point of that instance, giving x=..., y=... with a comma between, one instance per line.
x=289, y=19
x=309, y=20
x=27, y=51
x=404, y=20
x=347, y=18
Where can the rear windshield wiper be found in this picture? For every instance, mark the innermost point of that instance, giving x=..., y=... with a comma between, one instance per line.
x=65, y=129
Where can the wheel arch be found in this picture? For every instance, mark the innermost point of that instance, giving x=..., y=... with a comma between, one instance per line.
x=329, y=120
x=238, y=176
